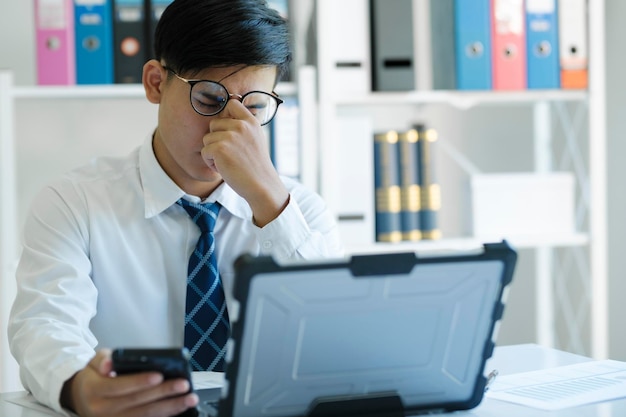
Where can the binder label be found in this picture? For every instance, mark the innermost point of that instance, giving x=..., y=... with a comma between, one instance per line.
x=91, y=19
x=52, y=14
x=540, y=6
x=130, y=14
x=90, y=3
x=508, y=17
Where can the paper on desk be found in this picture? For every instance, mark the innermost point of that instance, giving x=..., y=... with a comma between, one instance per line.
x=202, y=380
x=564, y=386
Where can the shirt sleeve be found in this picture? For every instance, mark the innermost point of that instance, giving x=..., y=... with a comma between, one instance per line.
x=56, y=299
x=306, y=229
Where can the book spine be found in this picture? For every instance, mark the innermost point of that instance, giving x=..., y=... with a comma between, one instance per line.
x=573, y=43
x=393, y=61
x=409, y=185
x=129, y=40
x=349, y=27
x=508, y=35
x=472, y=20
x=430, y=190
x=94, y=41
x=355, y=184
x=387, y=185
x=442, y=44
x=542, y=46
x=284, y=138
x=55, y=47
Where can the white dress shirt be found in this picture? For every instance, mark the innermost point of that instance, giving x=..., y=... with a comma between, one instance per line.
x=104, y=262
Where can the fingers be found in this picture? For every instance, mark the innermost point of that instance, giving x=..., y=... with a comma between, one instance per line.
x=136, y=395
x=130, y=384
x=98, y=393
x=235, y=127
x=236, y=147
x=236, y=141
x=236, y=110
x=165, y=408
x=168, y=398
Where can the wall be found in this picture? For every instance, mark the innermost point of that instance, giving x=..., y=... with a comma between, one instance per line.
x=16, y=39
x=86, y=128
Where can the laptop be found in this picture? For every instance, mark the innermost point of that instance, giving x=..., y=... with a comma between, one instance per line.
x=388, y=334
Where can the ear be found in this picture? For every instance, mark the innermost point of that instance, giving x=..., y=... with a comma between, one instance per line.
x=152, y=78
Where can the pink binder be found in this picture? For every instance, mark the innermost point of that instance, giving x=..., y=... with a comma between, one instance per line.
x=54, y=27
x=508, y=32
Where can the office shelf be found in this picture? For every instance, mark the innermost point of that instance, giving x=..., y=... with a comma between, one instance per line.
x=113, y=91
x=460, y=99
x=580, y=115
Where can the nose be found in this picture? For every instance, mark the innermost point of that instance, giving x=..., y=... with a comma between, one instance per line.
x=237, y=97
x=225, y=112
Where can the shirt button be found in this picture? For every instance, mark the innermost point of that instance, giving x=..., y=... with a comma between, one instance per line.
x=267, y=244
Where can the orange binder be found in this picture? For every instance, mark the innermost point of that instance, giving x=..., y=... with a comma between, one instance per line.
x=508, y=32
x=573, y=54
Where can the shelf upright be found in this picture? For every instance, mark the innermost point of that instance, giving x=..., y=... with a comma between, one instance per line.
x=597, y=181
x=545, y=318
x=8, y=227
x=327, y=124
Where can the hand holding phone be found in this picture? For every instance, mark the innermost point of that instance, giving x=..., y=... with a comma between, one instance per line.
x=170, y=362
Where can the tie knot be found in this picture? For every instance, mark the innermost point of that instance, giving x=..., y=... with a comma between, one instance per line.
x=204, y=215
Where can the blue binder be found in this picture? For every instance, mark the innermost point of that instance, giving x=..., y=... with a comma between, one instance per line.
x=542, y=44
x=94, y=41
x=473, y=44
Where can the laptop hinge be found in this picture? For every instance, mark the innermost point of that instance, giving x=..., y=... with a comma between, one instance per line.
x=382, y=404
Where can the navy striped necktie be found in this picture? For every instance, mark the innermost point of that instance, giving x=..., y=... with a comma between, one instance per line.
x=207, y=326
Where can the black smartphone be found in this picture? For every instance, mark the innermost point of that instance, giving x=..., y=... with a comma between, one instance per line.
x=171, y=362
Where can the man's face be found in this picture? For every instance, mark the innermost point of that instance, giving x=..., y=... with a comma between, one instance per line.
x=179, y=138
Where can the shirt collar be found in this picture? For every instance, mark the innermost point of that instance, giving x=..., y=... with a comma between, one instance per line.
x=160, y=192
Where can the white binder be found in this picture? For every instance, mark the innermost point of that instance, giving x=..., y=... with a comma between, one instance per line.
x=573, y=43
x=348, y=22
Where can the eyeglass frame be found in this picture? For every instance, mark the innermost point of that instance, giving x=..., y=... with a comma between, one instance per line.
x=237, y=97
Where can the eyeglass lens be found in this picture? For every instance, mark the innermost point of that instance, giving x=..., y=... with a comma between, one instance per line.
x=209, y=98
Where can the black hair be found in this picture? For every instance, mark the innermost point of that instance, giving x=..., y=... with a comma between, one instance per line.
x=193, y=35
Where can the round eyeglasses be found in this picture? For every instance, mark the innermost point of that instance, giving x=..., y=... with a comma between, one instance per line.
x=208, y=98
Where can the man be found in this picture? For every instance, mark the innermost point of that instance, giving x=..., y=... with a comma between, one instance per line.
x=107, y=248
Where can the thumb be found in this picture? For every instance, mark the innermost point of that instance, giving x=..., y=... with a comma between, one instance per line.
x=102, y=362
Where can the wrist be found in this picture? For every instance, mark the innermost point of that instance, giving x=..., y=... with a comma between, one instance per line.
x=270, y=211
x=67, y=399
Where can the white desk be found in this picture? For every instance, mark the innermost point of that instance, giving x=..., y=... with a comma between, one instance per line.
x=506, y=359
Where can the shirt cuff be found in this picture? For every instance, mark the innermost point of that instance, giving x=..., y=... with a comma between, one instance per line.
x=282, y=237
x=57, y=380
